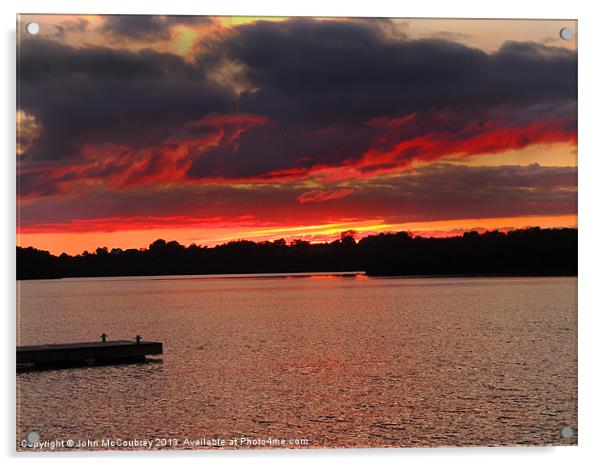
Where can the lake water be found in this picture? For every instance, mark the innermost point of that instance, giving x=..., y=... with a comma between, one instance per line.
x=315, y=361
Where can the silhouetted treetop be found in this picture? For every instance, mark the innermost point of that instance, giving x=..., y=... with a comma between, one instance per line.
x=532, y=251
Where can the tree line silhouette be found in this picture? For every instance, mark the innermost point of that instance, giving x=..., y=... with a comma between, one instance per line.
x=531, y=251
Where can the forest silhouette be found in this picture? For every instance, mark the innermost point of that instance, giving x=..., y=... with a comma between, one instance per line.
x=525, y=252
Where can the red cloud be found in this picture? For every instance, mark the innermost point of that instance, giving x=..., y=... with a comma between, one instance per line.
x=393, y=148
x=319, y=195
x=109, y=224
x=474, y=140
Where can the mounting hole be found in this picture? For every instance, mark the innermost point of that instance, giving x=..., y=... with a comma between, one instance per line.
x=32, y=437
x=566, y=432
x=566, y=34
x=32, y=28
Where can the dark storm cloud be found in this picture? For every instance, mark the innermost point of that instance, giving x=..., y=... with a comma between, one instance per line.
x=47, y=60
x=306, y=75
x=276, y=151
x=147, y=27
x=332, y=90
x=267, y=149
x=320, y=72
x=96, y=95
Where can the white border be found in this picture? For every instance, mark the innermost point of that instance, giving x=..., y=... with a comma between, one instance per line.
x=590, y=225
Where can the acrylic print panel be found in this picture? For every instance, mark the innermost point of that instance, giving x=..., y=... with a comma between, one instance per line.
x=277, y=233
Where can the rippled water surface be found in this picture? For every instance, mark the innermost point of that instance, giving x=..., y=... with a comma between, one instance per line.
x=318, y=361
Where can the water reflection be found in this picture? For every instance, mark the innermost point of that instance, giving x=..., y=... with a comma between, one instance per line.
x=342, y=362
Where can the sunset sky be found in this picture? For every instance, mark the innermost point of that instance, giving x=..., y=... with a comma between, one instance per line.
x=206, y=130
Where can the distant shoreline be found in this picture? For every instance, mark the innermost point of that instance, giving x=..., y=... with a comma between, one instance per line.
x=342, y=274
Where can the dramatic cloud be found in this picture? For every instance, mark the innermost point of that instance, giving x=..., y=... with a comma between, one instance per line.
x=308, y=76
x=382, y=144
x=90, y=96
x=323, y=86
x=323, y=72
x=284, y=123
x=434, y=192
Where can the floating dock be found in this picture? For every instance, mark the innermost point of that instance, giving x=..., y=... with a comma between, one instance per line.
x=102, y=352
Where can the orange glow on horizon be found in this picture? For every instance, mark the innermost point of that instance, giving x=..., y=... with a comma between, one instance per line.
x=58, y=241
